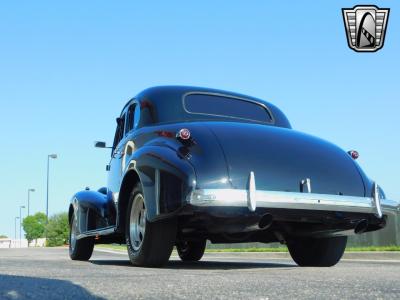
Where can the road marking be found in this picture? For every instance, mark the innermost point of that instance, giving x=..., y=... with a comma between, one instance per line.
x=371, y=260
x=111, y=251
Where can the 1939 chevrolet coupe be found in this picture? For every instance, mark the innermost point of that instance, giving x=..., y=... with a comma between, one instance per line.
x=192, y=164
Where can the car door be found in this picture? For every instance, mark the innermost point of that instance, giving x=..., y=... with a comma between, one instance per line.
x=123, y=147
x=114, y=176
x=128, y=142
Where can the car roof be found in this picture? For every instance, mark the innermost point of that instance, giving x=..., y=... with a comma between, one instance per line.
x=165, y=102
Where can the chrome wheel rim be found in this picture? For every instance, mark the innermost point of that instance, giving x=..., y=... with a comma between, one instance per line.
x=72, y=237
x=137, y=222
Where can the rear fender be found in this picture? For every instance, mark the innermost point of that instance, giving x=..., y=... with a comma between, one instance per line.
x=166, y=179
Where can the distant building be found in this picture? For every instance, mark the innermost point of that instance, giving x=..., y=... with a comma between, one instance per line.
x=11, y=243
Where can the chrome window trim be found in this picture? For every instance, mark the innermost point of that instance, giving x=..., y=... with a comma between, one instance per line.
x=225, y=116
x=128, y=104
x=135, y=103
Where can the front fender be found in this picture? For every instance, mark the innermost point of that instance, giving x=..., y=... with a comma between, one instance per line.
x=166, y=177
x=93, y=210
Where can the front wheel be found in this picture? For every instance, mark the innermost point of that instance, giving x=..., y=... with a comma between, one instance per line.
x=81, y=249
x=317, y=252
x=149, y=244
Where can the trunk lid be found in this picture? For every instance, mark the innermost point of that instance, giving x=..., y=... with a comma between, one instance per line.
x=281, y=158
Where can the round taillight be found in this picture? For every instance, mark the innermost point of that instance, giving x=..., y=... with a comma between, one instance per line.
x=184, y=134
x=354, y=154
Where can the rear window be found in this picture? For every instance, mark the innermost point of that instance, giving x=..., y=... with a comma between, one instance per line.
x=224, y=106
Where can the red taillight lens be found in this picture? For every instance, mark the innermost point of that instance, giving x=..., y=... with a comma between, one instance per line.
x=166, y=134
x=184, y=134
x=354, y=154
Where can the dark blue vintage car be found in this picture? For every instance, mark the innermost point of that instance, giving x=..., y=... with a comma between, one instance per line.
x=192, y=164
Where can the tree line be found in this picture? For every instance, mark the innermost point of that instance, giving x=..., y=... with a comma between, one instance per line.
x=56, y=231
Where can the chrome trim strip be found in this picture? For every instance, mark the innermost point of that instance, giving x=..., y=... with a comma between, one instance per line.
x=263, y=105
x=289, y=200
x=104, y=231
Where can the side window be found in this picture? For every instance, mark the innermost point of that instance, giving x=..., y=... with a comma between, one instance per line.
x=119, y=133
x=132, y=119
x=136, y=116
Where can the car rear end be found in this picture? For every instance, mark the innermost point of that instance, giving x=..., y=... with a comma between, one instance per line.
x=255, y=174
x=256, y=180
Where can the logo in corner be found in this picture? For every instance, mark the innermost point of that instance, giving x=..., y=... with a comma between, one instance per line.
x=365, y=27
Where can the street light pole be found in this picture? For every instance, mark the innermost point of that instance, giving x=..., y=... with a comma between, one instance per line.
x=53, y=156
x=15, y=232
x=20, y=224
x=29, y=191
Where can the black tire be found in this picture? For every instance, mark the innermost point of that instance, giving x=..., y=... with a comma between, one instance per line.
x=191, y=250
x=157, y=241
x=81, y=249
x=313, y=252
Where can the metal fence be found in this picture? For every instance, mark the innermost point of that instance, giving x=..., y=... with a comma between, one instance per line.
x=388, y=236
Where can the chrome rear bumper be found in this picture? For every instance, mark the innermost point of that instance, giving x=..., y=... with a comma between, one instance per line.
x=287, y=200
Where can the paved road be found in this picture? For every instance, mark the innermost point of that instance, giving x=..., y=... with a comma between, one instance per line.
x=49, y=274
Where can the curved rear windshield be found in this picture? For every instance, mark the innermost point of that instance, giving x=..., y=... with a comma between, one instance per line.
x=224, y=106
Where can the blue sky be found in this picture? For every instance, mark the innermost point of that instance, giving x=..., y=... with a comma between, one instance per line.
x=66, y=70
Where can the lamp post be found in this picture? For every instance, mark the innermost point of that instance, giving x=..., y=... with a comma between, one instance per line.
x=53, y=156
x=20, y=224
x=15, y=232
x=29, y=191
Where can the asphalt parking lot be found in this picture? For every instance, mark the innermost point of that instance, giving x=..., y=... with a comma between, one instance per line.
x=49, y=274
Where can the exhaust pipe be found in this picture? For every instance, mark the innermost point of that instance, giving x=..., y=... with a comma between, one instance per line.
x=265, y=221
x=361, y=226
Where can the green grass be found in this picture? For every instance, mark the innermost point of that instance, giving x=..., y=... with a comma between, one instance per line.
x=373, y=248
x=279, y=249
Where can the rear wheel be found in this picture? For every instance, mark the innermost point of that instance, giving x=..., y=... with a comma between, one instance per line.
x=322, y=252
x=191, y=250
x=149, y=244
x=81, y=249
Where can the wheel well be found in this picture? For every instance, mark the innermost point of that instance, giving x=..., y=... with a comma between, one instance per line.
x=128, y=183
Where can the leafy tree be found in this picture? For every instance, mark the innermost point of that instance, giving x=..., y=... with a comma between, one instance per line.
x=57, y=230
x=34, y=226
x=3, y=236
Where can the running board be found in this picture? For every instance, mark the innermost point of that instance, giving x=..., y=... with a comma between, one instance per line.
x=104, y=231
